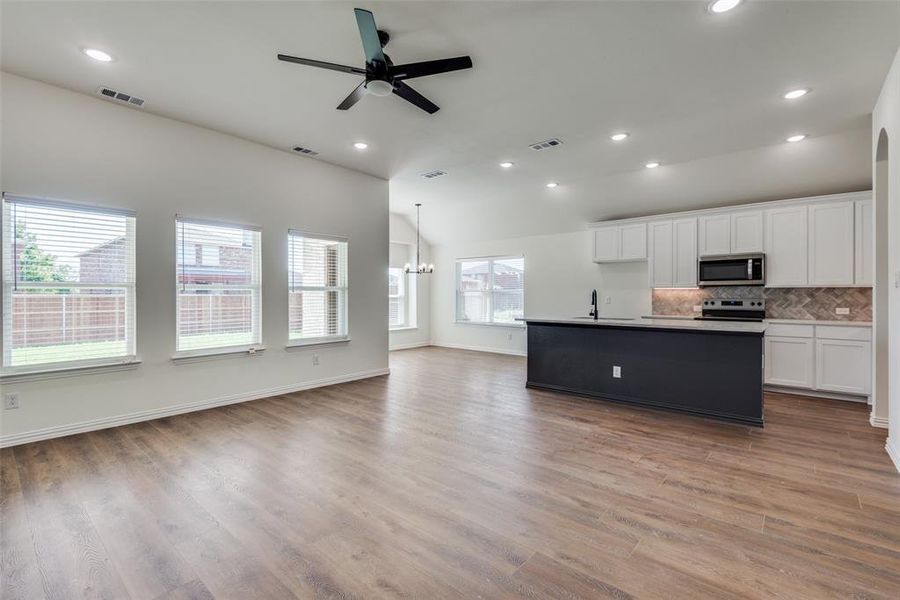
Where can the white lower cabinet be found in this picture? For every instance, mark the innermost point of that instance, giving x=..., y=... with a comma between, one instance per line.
x=790, y=361
x=828, y=358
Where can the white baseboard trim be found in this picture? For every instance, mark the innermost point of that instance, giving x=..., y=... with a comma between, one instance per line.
x=893, y=452
x=881, y=422
x=47, y=433
x=816, y=394
x=480, y=349
x=408, y=346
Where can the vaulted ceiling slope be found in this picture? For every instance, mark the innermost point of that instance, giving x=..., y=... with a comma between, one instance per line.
x=699, y=93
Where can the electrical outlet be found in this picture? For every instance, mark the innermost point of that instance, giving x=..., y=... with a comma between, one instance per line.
x=698, y=308
x=11, y=401
x=607, y=300
x=617, y=372
x=315, y=360
x=842, y=311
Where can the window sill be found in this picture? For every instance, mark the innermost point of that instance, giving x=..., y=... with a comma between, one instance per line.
x=342, y=339
x=411, y=328
x=213, y=353
x=512, y=325
x=44, y=373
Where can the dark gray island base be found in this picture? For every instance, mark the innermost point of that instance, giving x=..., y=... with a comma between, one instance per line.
x=692, y=367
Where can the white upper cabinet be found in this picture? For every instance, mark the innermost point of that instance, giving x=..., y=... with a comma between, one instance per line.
x=606, y=244
x=673, y=253
x=715, y=234
x=786, y=246
x=831, y=243
x=684, y=233
x=618, y=243
x=864, y=269
x=633, y=242
x=746, y=232
x=662, y=263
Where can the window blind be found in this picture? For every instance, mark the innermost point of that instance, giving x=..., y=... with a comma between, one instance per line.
x=218, y=286
x=68, y=285
x=397, y=297
x=318, y=284
x=490, y=290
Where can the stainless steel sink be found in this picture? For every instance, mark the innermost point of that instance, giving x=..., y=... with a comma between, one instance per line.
x=606, y=318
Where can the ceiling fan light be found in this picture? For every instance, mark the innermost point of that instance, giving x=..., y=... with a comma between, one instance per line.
x=377, y=87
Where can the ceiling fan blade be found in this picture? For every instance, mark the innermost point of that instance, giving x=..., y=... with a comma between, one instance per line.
x=365, y=20
x=430, y=67
x=411, y=95
x=354, y=97
x=322, y=65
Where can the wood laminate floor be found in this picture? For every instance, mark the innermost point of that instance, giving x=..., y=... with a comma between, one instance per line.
x=448, y=479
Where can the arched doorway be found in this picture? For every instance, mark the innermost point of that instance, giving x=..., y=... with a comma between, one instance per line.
x=881, y=384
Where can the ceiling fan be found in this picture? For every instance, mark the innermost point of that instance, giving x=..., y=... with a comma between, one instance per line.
x=383, y=77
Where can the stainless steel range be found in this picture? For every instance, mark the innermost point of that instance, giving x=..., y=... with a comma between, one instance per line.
x=733, y=309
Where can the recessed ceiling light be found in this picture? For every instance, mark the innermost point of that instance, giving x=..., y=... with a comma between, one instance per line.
x=797, y=138
x=552, y=185
x=652, y=165
x=618, y=137
x=360, y=145
x=720, y=6
x=794, y=94
x=506, y=164
x=97, y=54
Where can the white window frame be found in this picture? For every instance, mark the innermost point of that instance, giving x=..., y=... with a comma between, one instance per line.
x=404, y=298
x=490, y=291
x=328, y=339
x=10, y=284
x=254, y=287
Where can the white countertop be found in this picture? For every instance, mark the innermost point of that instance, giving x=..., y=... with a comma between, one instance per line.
x=658, y=322
x=782, y=321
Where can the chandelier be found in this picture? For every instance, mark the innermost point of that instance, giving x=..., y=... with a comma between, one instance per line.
x=421, y=268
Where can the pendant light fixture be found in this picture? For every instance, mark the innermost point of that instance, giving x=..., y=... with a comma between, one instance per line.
x=421, y=268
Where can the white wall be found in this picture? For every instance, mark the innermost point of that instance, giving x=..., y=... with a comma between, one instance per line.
x=60, y=144
x=403, y=231
x=886, y=116
x=559, y=277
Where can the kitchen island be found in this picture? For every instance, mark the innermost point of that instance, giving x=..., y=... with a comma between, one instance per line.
x=709, y=368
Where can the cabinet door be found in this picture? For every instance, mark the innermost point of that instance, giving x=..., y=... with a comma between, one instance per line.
x=684, y=232
x=606, y=244
x=789, y=361
x=660, y=254
x=715, y=234
x=843, y=366
x=786, y=247
x=633, y=242
x=747, y=232
x=831, y=244
x=864, y=269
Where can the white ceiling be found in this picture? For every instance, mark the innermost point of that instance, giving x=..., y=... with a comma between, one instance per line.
x=700, y=93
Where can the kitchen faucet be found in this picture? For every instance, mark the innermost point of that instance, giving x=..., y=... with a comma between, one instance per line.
x=594, y=312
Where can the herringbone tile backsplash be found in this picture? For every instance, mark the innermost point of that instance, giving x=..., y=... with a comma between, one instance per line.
x=781, y=303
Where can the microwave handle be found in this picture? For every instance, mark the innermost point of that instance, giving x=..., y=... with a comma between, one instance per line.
x=749, y=268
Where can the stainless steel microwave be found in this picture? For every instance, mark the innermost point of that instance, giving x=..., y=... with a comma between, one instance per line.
x=732, y=269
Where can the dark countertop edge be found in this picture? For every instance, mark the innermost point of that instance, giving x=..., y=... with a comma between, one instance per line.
x=623, y=325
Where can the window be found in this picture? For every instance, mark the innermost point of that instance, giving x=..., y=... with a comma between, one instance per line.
x=490, y=290
x=218, y=279
x=68, y=285
x=317, y=278
x=396, y=297
x=401, y=287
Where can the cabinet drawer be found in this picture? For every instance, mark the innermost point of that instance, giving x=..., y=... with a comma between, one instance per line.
x=836, y=332
x=789, y=330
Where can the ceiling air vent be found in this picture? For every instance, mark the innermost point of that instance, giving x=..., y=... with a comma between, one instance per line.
x=120, y=96
x=433, y=174
x=546, y=144
x=306, y=151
